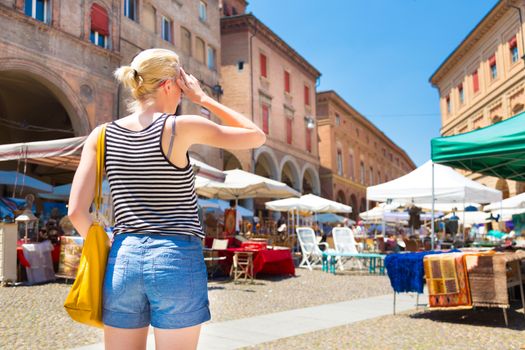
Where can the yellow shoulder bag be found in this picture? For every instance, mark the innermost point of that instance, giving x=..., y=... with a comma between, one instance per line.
x=84, y=301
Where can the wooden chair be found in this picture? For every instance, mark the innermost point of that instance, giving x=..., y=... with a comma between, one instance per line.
x=242, y=266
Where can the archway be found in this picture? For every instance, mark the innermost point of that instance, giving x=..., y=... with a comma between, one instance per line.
x=355, y=208
x=290, y=175
x=503, y=186
x=362, y=205
x=340, y=197
x=311, y=183
x=36, y=104
x=230, y=161
x=265, y=165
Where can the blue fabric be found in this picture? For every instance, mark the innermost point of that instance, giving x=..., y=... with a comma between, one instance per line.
x=406, y=272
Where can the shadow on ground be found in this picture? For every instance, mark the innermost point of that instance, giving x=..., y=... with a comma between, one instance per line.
x=487, y=317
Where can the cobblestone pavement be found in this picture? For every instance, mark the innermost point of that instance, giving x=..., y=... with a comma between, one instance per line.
x=33, y=317
x=482, y=329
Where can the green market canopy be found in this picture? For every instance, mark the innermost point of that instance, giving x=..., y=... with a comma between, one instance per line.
x=496, y=150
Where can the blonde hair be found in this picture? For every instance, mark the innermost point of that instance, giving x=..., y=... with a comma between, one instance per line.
x=143, y=76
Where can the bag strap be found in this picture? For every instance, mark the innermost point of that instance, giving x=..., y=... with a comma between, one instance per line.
x=100, y=169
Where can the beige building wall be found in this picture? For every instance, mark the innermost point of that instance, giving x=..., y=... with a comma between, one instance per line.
x=497, y=98
x=52, y=75
x=244, y=39
x=354, y=153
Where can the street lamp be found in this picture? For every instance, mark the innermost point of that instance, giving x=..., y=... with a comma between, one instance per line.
x=310, y=122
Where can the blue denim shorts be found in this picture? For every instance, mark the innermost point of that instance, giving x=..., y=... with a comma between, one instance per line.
x=155, y=279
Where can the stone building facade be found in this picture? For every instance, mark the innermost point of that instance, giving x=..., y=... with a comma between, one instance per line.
x=269, y=82
x=354, y=153
x=57, y=60
x=483, y=80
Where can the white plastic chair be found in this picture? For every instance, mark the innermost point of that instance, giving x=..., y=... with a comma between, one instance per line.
x=312, y=255
x=344, y=242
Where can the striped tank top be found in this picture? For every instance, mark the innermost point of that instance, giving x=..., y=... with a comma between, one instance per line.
x=150, y=194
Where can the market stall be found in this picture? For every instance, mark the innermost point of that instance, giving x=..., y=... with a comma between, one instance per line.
x=433, y=183
x=497, y=150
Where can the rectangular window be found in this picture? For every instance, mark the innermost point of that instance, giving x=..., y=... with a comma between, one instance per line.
x=266, y=119
x=199, y=50
x=493, y=67
x=461, y=94
x=337, y=120
x=309, y=140
x=287, y=81
x=475, y=81
x=306, y=95
x=186, y=40
x=371, y=176
x=203, y=16
x=130, y=9
x=38, y=9
x=362, y=172
x=447, y=101
x=262, y=60
x=351, y=166
x=513, y=46
x=211, y=58
x=289, y=130
x=166, y=29
x=339, y=162
x=98, y=39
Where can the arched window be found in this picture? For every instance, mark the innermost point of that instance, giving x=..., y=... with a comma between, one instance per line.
x=99, y=26
x=339, y=162
x=351, y=166
x=362, y=173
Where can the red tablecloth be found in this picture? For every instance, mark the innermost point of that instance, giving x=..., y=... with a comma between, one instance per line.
x=55, y=254
x=274, y=262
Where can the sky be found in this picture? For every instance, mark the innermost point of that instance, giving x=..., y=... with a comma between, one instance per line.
x=379, y=55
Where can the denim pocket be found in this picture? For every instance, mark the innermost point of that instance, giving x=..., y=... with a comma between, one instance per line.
x=114, y=280
x=173, y=274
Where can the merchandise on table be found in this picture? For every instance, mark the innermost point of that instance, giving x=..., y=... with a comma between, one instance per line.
x=405, y=270
x=447, y=281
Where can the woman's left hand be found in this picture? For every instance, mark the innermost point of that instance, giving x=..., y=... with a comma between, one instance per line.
x=190, y=87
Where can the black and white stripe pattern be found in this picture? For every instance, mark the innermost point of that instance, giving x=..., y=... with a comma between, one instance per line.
x=149, y=193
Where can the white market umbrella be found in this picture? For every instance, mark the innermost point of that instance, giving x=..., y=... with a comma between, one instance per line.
x=309, y=202
x=449, y=187
x=239, y=184
x=509, y=203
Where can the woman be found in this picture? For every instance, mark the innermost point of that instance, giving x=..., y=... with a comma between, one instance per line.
x=155, y=273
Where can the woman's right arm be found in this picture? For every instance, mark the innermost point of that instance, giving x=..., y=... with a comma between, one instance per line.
x=83, y=186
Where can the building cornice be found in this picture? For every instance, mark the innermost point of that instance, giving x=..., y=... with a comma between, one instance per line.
x=248, y=22
x=330, y=96
x=472, y=38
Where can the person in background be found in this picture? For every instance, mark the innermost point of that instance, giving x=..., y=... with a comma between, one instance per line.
x=238, y=217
